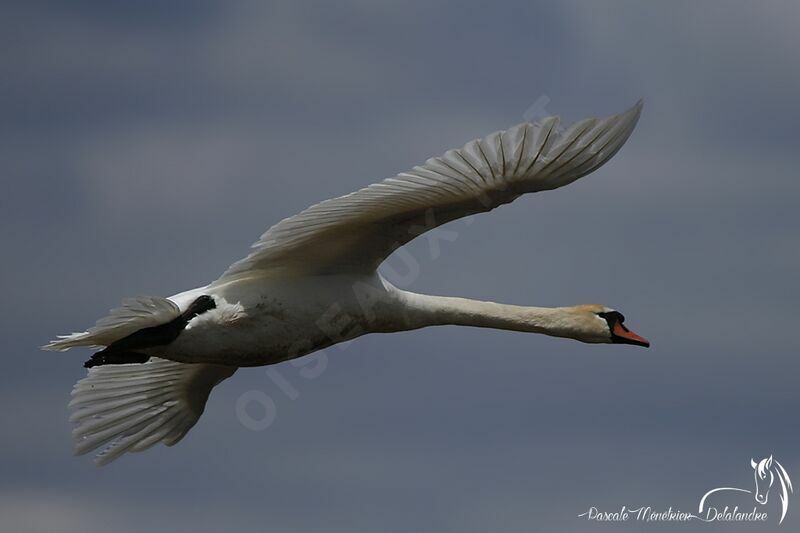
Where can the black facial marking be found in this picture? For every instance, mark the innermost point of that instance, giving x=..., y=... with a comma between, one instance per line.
x=123, y=351
x=612, y=317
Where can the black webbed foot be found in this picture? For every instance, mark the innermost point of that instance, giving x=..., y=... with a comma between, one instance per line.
x=115, y=358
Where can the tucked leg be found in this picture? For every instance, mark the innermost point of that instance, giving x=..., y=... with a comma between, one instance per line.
x=107, y=357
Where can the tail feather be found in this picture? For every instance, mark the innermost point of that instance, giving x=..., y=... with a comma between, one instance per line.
x=129, y=408
x=134, y=314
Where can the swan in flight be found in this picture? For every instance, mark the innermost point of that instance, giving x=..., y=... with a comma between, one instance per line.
x=311, y=281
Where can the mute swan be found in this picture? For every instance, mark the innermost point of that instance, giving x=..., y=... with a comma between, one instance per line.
x=311, y=281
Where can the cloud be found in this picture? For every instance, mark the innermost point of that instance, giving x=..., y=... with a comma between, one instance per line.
x=146, y=148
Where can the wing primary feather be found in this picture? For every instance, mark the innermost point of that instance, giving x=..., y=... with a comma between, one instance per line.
x=541, y=147
x=355, y=232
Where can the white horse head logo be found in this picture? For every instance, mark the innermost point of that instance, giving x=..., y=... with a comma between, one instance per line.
x=766, y=472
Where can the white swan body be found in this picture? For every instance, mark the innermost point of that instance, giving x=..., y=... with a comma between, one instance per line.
x=272, y=321
x=311, y=282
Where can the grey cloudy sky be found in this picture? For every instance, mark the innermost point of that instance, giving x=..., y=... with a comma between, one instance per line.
x=144, y=146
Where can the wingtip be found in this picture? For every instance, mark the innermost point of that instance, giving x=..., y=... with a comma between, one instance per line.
x=637, y=107
x=631, y=115
x=634, y=111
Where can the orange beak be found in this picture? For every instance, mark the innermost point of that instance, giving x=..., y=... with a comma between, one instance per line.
x=623, y=335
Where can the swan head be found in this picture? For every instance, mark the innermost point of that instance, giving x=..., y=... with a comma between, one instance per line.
x=600, y=324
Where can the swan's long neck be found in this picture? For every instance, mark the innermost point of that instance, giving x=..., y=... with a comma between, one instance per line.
x=422, y=310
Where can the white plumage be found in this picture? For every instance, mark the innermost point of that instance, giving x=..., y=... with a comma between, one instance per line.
x=133, y=407
x=271, y=305
x=356, y=232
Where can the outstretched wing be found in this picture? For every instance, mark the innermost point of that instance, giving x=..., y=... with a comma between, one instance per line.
x=356, y=232
x=129, y=408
